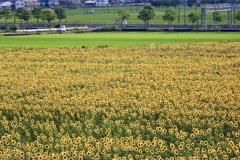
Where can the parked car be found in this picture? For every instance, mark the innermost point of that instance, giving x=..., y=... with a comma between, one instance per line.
x=61, y=29
x=90, y=11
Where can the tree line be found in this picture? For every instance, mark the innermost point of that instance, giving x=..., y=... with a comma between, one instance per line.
x=25, y=15
x=170, y=15
x=146, y=14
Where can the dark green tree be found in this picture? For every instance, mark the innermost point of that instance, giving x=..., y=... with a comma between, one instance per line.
x=238, y=16
x=194, y=17
x=61, y=13
x=174, y=3
x=6, y=13
x=217, y=16
x=146, y=14
x=168, y=3
x=37, y=13
x=123, y=15
x=149, y=7
x=48, y=15
x=170, y=15
x=156, y=3
x=191, y=3
x=23, y=14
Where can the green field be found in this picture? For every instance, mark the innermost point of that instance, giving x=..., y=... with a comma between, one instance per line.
x=109, y=15
x=114, y=39
x=105, y=15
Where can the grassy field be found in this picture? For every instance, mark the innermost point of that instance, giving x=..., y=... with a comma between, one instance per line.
x=109, y=15
x=114, y=39
x=105, y=15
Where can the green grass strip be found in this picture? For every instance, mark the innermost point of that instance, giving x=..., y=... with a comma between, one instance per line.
x=114, y=39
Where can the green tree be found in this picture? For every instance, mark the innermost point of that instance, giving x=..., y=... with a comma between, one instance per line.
x=238, y=16
x=123, y=15
x=217, y=16
x=146, y=14
x=6, y=13
x=1, y=14
x=191, y=3
x=49, y=15
x=37, y=13
x=61, y=13
x=168, y=3
x=170, y=15
x=23, y=14
x=149, y=7
x=194, y=17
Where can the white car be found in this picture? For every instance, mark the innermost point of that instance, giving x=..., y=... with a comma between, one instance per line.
x=61, y=29
x=90, y=11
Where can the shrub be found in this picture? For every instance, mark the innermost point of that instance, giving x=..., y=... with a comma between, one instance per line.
x=107, y=28
x=49, y=25
x=102, y=46
x=14, y=27
x=57, y=25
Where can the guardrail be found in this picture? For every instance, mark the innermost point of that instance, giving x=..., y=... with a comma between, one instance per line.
x=136, y=26
x=73, y=24
x=61, y=29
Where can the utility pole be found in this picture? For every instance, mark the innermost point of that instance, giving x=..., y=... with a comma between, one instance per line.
x=179, y=13
x=14, y=12
x=234, y=11
x=184, y=3
x=59, y=19
x=108, y=5
x=215, y=16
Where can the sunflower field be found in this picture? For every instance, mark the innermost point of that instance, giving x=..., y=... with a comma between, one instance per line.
x=168, y=101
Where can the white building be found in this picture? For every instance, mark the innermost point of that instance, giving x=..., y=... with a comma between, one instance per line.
x=6, y=4
x=100, y=3
x=90, y=3
x=20, y=3
x=30, y=4
x=97, y=3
